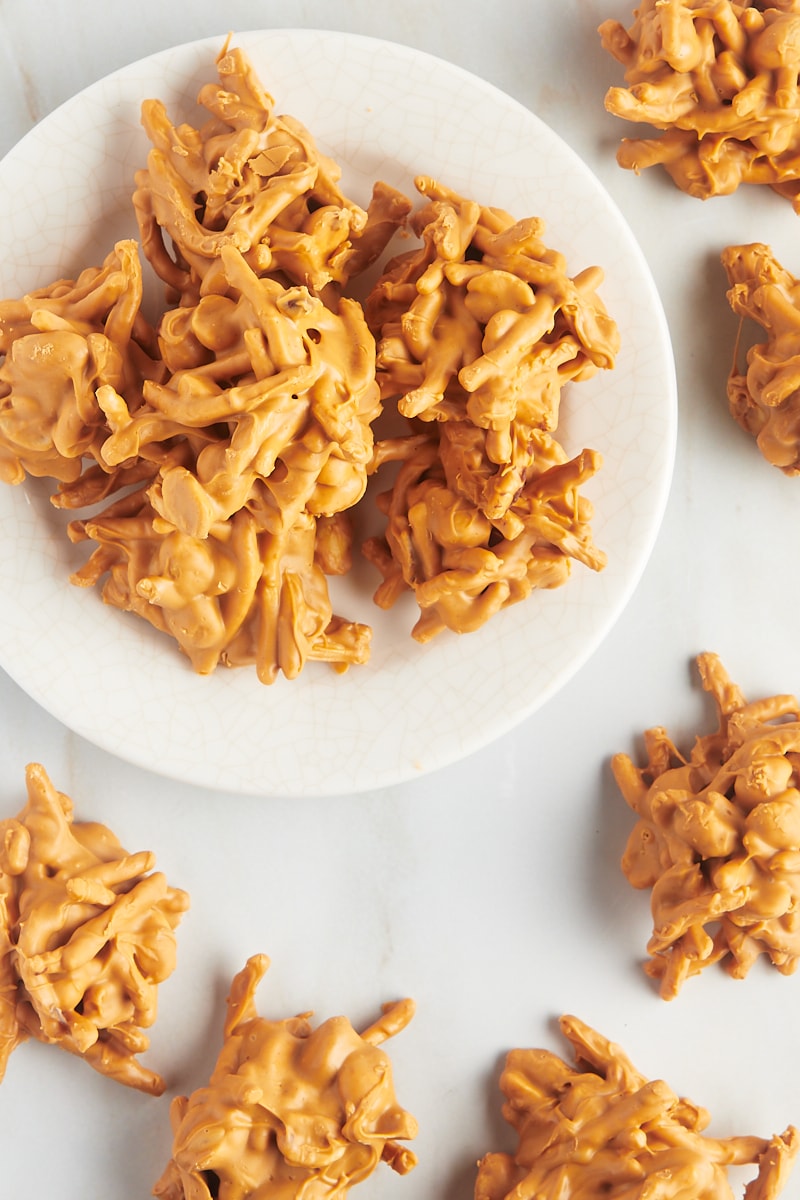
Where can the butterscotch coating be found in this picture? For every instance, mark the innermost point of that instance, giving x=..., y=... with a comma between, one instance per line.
x=290, y=1110
x=254, y=180
x=717, y=839
x=61, y=343
x=241, y=595
x=263, y=377
x=461, y=566
x=602, y=1130
x=262, y=429
x=479, y=329
x=764, y=392
x=720, y=81
x=483, y=326
x=86, y=937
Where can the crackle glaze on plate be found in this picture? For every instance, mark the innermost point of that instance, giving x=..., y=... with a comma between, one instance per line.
x=383, y=111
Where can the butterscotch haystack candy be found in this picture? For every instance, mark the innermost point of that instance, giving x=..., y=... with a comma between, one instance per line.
x=254, y=180
x=764, y=392
x=479, y=330
x=602, y=1131
x=263, y=430
x=59, y=345
x=462, y=567
x=718, y=837
x=86, y=937
x=290, y=1110
x=275, y=413
x=239, y=596
x=217, y=547
x=719, y=82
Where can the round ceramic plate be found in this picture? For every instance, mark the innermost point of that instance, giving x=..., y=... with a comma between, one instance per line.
x=384, y=111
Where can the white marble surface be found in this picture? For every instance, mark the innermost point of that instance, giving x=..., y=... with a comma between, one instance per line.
x=489, y=891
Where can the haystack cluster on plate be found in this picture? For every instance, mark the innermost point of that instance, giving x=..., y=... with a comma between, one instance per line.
x=239, y=431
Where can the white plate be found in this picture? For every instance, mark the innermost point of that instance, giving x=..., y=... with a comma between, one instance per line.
x=384, y=111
